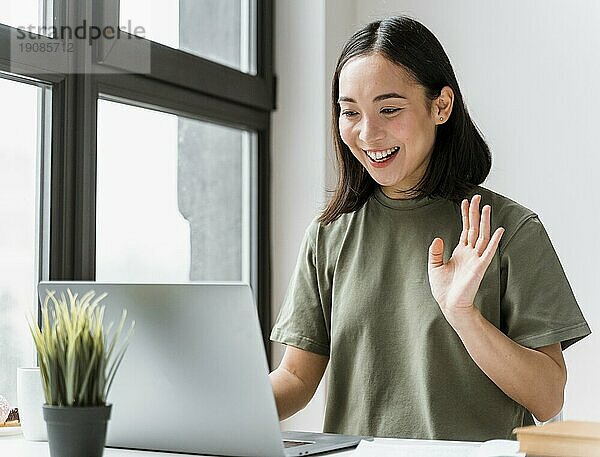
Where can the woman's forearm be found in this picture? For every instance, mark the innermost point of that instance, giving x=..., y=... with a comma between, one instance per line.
x=528, y=376
x=289, y=392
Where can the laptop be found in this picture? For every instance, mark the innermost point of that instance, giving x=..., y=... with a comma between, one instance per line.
x=195, y=376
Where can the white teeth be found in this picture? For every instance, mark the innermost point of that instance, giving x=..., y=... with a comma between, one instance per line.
x=380, y=155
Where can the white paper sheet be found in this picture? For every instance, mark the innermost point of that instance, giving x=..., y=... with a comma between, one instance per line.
x=494, y=448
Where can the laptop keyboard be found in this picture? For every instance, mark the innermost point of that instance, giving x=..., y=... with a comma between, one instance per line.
x=289, y=443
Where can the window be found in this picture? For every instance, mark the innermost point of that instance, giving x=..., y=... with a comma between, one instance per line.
x=21, y=155
x=184, y=190
x=193, y=104
x=21, y=13
x=223, y=31
x=26, y=118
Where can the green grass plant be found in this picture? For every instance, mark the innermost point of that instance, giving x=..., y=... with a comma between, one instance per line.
x=78, y=359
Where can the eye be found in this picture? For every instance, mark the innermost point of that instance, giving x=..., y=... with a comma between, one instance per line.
x=348, y=113
x=390, y=110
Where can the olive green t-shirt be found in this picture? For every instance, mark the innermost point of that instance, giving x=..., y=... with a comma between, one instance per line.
x=360, y=295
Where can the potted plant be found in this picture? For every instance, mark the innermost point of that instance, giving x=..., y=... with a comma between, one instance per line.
x=78, y=363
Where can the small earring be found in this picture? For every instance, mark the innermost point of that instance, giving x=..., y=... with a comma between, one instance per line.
x=441, y=118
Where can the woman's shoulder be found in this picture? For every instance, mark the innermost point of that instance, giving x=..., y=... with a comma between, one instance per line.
x=331, y=234
x=505, y=207
x=319, y=229
x=506, y=212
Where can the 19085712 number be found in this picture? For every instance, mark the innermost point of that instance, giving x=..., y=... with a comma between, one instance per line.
x=46, y=47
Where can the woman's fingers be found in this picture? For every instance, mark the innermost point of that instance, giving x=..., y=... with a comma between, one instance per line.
x=474, y=220
x=436, y=253
x=490, y=250
x=484, y=230
x=464, y=211
x=476, y=227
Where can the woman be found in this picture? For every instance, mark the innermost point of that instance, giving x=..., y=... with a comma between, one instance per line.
x=433, y=325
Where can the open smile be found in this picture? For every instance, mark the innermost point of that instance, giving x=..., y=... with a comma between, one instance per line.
x=381, y=158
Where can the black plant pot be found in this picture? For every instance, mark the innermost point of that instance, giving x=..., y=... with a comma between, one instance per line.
x=76, y=432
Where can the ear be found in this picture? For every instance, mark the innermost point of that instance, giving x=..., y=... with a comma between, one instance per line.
x=441, y=108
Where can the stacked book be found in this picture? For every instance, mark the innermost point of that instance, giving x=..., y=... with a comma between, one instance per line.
x=560, y=439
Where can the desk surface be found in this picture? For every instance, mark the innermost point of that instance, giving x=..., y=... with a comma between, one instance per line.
x=18, y=447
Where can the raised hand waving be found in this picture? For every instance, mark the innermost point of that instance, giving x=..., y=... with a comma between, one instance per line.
x=455, y=283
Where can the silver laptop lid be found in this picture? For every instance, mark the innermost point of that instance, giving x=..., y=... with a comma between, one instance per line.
x=179, y=386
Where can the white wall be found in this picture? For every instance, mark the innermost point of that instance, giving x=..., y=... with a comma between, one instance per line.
x=340, y=24
x=528, y=72
x=309, y=35
x=298, y=142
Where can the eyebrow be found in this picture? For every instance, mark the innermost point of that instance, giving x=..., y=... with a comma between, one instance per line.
x=376, y=99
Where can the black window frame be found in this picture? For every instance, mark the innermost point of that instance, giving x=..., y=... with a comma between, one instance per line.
x=178, y=83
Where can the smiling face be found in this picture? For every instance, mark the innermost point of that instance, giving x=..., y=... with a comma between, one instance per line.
x=387, y=121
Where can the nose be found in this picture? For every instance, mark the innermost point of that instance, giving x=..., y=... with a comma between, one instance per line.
x=370, y=130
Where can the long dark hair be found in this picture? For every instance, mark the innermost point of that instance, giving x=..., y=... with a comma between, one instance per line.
x=460, y=159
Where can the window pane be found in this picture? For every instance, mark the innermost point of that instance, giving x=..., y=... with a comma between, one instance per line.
x=219, y=30
x=18, y=245
x=174, y=198
x=27, y=14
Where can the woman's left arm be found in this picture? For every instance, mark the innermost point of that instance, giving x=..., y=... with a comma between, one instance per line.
x=535, y=378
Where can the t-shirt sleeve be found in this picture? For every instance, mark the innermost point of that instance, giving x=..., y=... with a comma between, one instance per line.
x=301, y=322
x=537, y=304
